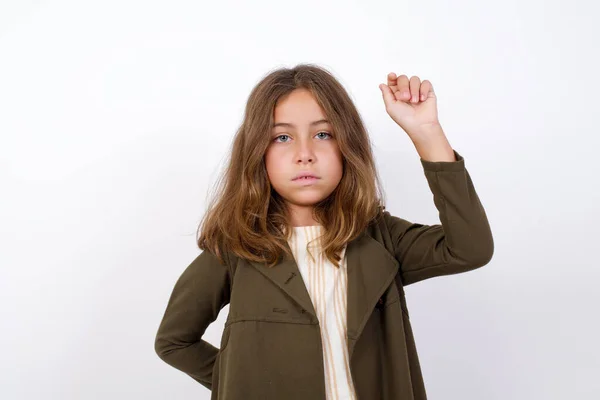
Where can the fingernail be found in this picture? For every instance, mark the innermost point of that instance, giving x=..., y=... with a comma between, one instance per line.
x=415, y=99
x=422, y=97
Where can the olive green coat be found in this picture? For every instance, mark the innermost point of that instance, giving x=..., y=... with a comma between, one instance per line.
x=271, y=343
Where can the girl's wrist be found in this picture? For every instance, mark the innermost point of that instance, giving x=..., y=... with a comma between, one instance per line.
x=434, y=148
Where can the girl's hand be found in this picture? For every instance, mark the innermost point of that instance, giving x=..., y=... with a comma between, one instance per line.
x=412, y=104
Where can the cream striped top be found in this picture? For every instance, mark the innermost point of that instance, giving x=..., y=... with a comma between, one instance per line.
x=326, y=286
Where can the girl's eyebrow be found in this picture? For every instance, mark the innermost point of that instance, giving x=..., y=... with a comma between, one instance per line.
x=289, y=125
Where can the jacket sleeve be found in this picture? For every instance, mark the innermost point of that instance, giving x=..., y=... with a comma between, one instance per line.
x=462, y=242
x=201, y=291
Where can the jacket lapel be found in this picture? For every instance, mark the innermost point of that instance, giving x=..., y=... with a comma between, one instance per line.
x=371, y=269
x=286, y=275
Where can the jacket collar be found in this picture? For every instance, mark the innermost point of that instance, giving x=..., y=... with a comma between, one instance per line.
x=371, y=269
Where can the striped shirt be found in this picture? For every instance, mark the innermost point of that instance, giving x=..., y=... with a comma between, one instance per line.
x=327, y=287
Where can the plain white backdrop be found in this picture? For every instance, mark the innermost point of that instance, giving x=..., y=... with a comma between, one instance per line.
x=116, y=117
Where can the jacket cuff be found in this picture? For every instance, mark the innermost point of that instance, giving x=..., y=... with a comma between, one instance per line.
x=458, y=165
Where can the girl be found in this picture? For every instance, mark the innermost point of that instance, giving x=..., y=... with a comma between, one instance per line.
x=299, y=244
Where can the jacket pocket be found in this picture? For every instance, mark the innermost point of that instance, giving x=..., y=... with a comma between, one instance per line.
x=271, y=360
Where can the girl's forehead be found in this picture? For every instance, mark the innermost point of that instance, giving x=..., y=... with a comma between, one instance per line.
x=298, y=105
x=295, y=117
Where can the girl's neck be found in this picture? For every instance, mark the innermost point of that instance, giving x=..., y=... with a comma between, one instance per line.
x=302, y=216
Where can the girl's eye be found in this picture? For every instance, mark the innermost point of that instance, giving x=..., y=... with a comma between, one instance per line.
x=279, y=137
x=326, y=133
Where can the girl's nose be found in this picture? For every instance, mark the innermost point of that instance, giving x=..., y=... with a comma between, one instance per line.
x=305, y=153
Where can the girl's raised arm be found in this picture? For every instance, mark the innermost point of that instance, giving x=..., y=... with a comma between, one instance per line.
x=463, y=241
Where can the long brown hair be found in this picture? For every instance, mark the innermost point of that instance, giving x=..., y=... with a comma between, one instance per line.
x=248, y=218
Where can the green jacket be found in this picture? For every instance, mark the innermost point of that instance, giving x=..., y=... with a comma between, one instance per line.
x=271, y=343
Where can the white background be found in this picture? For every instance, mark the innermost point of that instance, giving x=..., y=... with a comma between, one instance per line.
x=116, y=116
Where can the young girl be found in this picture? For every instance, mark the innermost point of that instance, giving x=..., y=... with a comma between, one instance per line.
x=299, y=244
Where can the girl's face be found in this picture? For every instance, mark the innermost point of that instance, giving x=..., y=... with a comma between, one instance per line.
x=302, y=143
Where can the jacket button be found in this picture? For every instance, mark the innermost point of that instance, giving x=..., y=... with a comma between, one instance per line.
x=303, y=311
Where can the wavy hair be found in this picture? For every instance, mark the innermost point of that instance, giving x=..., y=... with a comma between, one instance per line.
x=248, y=218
